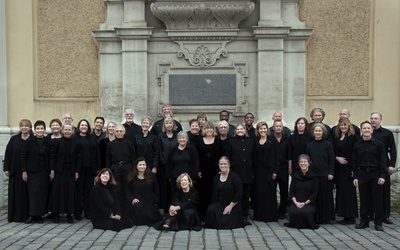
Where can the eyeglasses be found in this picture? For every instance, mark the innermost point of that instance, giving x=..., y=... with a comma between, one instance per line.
x=119, y=131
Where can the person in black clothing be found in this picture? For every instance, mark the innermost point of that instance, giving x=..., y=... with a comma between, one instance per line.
x=166, y=111
x=369, y=170
x=241, y=153
x=142, y=195
x=98, y=128
x=318, y=115
x=131, y=128
x=248, y=120
x=147, y=145
x=167, y=140
x=86, y=162
x=323, y=165
x=280, y=141
x=223, y=135
x=224, y=116
x=194, y=134
x=346, y=196
x=107, y=214
x=209, y=150
x=386, y=137
x=297, y=144
x=277, y=116
x=202, y=119
x=304, y=191
x=110, y=136
x=18, y=210
x=182, y=159
x=35, y=171
x=265, y=204
x=182, y=214
x=345, y=113
x=62, y=197
x=120, y=159
x=225, y=211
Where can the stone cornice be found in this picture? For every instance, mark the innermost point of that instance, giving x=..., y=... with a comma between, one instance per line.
x=202, y=15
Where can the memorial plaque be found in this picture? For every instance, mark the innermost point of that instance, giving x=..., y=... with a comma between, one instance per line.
x=216, y=89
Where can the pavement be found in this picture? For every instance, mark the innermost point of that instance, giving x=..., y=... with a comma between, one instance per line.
x=260, y=235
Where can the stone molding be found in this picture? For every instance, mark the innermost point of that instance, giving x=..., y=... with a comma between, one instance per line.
x=200, y=15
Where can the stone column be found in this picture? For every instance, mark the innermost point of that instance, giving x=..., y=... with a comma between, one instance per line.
x=294, y=82
x=270, y=63
x=270, y=13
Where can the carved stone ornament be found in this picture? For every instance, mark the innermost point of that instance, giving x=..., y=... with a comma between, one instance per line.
x=202, y=55
x=202, y=14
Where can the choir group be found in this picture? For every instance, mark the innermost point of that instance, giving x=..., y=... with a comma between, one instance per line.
x=207, y=177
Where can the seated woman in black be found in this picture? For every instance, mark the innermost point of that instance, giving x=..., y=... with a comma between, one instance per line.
x=106, y=213
x=142, y=194
x=303, y=190
x=225, y=211
x=183, y=210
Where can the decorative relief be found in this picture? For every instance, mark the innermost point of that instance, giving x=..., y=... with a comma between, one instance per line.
x=200, y=15
x=201, y=55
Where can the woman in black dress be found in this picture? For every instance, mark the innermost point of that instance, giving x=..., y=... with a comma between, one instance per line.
x=346, y=196
x=209, y=149
x=62, y=197
x=167, y=140
x=323, y=166
x=35, y=171
x=304, y=191
x=182, y=214
x=110, y=136
x=107, y=214
x=225, y=212
x=297, y=143
x=146, y=145
x=142, y=192
x=194, y=133
x=266, y=167
x=241, y=153
x=86, y=162
x=182, y=159
x=17, y=188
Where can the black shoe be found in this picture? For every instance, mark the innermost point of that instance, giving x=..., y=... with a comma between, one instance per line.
x=78, y=217
x=39, y=220
x=49, y=216
x=362, y=225
x=29, y=220
x=69, y=219
x=246, y=222
x=286, y=224
x=281, y=216
x=387, y=221
x=56, y=219
x=379, y=228
x=347, y=221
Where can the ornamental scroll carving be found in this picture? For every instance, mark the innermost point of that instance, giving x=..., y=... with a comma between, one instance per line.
x=200, y=15
x=202, y=55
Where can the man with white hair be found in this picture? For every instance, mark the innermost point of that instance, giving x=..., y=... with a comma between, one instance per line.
x=131, y=128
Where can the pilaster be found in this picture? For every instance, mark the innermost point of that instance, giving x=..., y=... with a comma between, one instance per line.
x=270, y=13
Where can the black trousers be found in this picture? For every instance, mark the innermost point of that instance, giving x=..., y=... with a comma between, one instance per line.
x=84, y=186
x=283, y=183
x=370, y=195
x=120, y=173
x=386, y=196
x=246, y=198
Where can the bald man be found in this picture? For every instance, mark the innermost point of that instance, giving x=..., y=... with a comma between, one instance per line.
x=345, y=113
